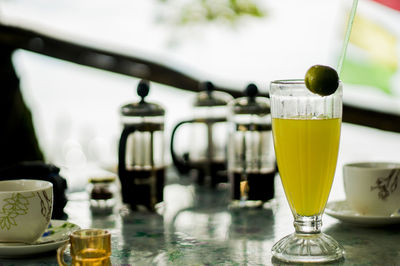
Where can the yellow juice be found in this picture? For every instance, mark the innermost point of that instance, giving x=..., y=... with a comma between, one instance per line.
x=306, y=151
x=92, y=257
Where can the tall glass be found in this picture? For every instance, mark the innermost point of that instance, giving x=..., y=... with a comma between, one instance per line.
x=306, y=131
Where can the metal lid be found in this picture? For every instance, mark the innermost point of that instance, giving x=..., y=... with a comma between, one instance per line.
x=142, y=108
x=251, y=104
x=210, y=97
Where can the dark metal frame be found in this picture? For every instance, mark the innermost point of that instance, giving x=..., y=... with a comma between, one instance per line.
x=153, y=71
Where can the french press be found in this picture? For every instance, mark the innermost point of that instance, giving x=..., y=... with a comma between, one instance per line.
x=141, y=166
x=251, y=159
x=206, y=154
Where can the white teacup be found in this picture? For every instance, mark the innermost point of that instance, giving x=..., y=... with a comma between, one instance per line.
x=372, y=188
x=25, y=209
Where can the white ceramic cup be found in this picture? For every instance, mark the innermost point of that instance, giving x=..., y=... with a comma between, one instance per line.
x=372, y=188
x=25, y=209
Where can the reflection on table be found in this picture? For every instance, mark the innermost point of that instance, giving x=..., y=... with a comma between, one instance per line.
x=195, y=226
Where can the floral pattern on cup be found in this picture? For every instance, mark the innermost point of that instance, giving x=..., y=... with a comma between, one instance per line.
x=18, y=205
x=387, y=185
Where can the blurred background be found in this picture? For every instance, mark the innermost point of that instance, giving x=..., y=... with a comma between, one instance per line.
x=75, y=108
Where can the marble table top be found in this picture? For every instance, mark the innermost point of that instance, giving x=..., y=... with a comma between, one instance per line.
x=196, y=226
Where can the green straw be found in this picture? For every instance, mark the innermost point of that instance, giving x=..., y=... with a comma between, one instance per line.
x=347, y=37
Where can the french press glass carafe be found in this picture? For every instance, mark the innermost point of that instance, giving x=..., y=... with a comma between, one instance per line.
x=251, y=160
x=141, y=166
x=205, y=156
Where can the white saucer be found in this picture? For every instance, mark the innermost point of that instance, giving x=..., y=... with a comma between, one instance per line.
x=55, y=236
x=340, y=210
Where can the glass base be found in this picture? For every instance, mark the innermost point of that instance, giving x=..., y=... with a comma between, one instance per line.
x=303, y=248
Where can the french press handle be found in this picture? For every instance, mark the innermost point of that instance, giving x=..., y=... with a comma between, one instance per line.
x=181, y=163
x=122, y=157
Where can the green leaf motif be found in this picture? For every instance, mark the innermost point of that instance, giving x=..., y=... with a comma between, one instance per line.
x=7, y=207
x=3, y=223
x=11, y=220
x=10, y=200
x=13, y=214
x=22, y=202
x=20, y=211
x=14, y=206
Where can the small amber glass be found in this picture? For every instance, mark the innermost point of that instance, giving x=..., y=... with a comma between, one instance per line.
x=87, y=247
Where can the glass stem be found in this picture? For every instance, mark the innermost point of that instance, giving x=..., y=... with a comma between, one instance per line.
x=308, y=224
